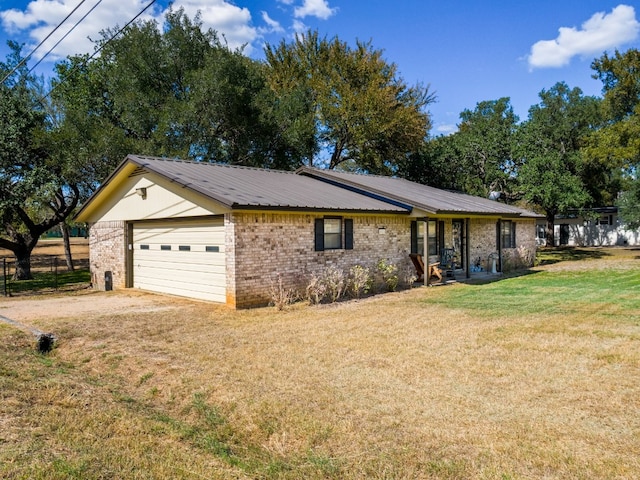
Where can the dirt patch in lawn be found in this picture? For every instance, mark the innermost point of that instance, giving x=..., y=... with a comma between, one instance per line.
x=88, y=303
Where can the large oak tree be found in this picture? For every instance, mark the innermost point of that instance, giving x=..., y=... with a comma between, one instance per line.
x=347, y=106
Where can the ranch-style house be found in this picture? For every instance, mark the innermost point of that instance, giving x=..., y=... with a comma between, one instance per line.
x=224, y=233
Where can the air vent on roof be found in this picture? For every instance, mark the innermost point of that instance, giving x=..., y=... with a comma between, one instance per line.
x=138, y=171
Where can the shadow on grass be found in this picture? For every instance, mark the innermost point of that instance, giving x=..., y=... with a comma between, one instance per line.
x=484, y=280
x=551, y=255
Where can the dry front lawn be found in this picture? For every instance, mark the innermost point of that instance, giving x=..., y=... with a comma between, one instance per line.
x=536, y=376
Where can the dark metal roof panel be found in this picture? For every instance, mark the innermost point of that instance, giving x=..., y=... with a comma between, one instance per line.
x=431, y=199
x=245, y=187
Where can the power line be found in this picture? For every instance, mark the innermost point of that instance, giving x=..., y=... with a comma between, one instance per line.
x=98, y=50
x=65, y=36
x=40, y=44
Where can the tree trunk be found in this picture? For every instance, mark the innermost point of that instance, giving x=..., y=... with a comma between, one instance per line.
x=551, y=219
x=23, y=265
x=64, y=228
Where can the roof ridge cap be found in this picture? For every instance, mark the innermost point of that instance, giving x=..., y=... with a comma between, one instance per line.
x=216, y=164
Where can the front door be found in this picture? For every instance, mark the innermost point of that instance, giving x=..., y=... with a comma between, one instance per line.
x=459, y=242
x=564, y=234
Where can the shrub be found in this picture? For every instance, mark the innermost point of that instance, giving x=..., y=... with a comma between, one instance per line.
x=316, y=290
x=409, y=275
x=389, y=273
x=335, y=282
x=360, y=281
x=281, y=296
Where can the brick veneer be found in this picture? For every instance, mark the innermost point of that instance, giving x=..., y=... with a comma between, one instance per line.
x=482, y=233
x=262, y=246
x=107, y=253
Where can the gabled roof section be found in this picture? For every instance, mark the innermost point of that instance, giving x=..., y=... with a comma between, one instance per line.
x=252, y=188
x=430, y=199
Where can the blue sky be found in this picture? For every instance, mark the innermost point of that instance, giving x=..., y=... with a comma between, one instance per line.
x=467, y=51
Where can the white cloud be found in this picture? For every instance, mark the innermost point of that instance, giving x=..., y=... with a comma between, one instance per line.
x=446, y=128
x=230, y=21
x=272, y=25
x=601, y=32
x=299, y=27
x=41, y=16
x=314, y=8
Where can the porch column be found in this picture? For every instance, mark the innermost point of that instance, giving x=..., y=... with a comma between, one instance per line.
x=425, y=251
x=467, y=250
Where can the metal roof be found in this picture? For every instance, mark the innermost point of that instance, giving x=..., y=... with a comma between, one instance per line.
x=245, y=187
x=416, y=195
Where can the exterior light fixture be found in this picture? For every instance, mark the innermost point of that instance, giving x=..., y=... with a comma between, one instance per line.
x=142, y=192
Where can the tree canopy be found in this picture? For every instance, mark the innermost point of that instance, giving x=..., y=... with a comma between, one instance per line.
x=38, y=188
x=350, y=103
x=549, y=151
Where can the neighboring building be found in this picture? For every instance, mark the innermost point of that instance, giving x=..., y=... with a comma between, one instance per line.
x=223, y=233
x=596, y=227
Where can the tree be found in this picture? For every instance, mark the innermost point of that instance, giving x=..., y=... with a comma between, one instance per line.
x=436, y=163
x=348, y=103
x=484, y=142
x=37, y=190
x=617, y=144
x=548, y=148
x=174, y=91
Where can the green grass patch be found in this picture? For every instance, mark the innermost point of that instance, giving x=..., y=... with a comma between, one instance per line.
x=609, y=292
x=49, y=280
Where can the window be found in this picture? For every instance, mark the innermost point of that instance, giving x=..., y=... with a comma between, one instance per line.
x=331, y=233
x=165, y=247
x=436, y=237
x=212, y=248
x=506, y=234
x=144, y=247
x=184, y=248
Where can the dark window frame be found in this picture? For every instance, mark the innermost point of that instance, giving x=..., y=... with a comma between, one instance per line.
x=507, y=233
x=344, y=236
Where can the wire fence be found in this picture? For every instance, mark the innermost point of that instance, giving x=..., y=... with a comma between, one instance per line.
x=50, y=273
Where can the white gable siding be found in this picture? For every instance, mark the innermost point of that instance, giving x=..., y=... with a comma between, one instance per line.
x=163, y=200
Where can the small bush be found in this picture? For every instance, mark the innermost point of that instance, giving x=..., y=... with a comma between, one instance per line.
x=409, y=275
x=335, y=282
x=316, y=290
x=281, y=296
x=389, y=273
x=359, y=282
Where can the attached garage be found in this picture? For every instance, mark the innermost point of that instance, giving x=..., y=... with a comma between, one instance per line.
x=185, y=258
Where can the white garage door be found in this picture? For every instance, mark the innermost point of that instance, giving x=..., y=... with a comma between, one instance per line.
x=181, y=258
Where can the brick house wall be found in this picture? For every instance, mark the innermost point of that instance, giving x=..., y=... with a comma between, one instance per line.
x=260, y=246
x=482, y=243
x=107, y=253
x=268, y=245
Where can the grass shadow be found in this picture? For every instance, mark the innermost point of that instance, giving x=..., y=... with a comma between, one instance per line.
x=485, y=280
x=551, y=255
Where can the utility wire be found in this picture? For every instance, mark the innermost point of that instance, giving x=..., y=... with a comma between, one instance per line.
x=65, y=36
x=40, y=44
x=99, y=49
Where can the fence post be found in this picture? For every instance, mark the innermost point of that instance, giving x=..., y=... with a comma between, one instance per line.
x=4, y=276
x=55, y=272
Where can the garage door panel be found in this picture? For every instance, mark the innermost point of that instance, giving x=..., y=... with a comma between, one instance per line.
x=196, y=270
x=214, y=295
x=183, y=276
x=185, y=261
